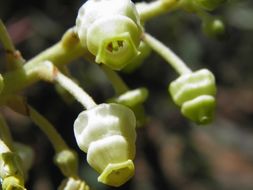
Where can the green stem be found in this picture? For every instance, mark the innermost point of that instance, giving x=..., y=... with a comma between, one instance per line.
x=5, y=38
x=65, y=158
x=15, y=59
x=63, y=52
x=118, y=84
x=155, y=8
x=79, y=94
x=54, y=137
x=5, y=134
x=165, y=52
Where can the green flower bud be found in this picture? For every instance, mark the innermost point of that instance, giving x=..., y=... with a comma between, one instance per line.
x=208, y=4
x=194, y=93
x=111, y=30
x=132, y=98
x=67, y=161
x=213, y=27
x=107, y=133
x=26, y=155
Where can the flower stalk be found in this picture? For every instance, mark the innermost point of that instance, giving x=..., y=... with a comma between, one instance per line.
x=69, y=85
x=165, y=52
x=155, y=8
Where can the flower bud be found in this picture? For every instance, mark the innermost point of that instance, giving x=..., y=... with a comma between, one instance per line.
x=67, y=161
x=26, y=155
x=111, y=30
x=132, y=98
x=107, y=134
x=213, y=27
x=195, y=93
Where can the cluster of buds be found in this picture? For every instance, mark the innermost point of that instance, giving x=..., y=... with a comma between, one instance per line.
x=111, y=32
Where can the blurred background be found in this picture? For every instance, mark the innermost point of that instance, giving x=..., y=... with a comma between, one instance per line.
x=172, y=153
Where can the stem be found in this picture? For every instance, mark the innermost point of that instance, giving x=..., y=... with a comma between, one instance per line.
x=65, y=158
x=54, y=137
x=155, y=8
x=5, y=38
x=63, y=52
x=118, y=84
x=165, y=52
x=14, y=58
x=79, y=94
x=5, y=134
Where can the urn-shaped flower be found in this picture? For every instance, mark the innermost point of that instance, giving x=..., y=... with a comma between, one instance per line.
x=111, y=31
x=107, y=134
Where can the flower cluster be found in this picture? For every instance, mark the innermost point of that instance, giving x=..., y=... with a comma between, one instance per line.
x=110, y=33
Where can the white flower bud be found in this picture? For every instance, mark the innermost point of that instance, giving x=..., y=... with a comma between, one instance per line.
x=111, y=30
x=107, y=133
